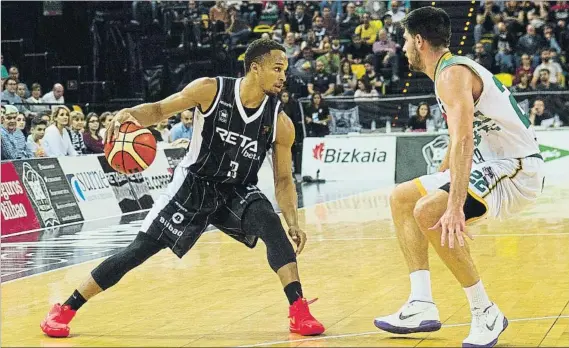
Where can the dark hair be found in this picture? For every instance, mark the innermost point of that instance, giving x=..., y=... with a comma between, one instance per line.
x=258, y=49
x=367, y=84
x=433, y=24
x=6, y=81
x=544, y=69
x=428, y=109
x=35, y=86
x=37, y=121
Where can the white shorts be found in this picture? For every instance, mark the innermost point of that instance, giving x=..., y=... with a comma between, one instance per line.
x=503, y=186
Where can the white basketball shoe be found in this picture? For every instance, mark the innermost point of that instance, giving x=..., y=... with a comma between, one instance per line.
x=414, y=316
x=487, y=325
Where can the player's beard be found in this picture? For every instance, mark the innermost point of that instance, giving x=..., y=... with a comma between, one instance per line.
x=415, y=62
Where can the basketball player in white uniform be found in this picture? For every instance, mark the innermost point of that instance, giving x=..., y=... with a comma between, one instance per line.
x=492, y=168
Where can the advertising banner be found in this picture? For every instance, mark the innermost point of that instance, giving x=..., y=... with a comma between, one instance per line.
x=131, y=191
x=174, y=157
x=419, y=155
x=90, y=186
x=554, y=148
x=158, y=175
x=349, y=158
x=17, y=212
x=49, y=191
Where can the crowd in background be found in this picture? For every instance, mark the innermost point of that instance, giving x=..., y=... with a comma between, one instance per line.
x=333, y=48
x=528, y=40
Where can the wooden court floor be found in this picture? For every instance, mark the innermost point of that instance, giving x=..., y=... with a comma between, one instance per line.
x=223, y=294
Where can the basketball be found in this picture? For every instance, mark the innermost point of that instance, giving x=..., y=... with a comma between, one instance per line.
x=132, y=151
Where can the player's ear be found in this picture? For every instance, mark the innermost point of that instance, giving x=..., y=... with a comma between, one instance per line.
x=419, y=41
x=255, y=67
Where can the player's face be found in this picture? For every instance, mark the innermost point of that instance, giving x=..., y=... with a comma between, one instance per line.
x=271, y=73
x=412, y=53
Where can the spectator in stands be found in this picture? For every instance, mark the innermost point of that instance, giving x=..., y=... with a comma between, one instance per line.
x=76, y=131
x=104, y=120
x=329, y=22
x=385, y=54
x=504, y=46
x=371, y=76
x=292, y=109
x=21, y=123
x=395, y=31
x=550, y=40
x=3, y=72
x=398, y=10
x=238, y=30
x=300, y=22
x=319, y=29
x=93, y=141
x=346, y=79
x=305, y=65
x=15, y=74
x=55, y=96
x=46, y=116
x=57, y=140
x=322, y=82
x=376, y=8
x=36, y=99
x=13, y=143
x=559, y=11
x=545, y=83
x=365, y=90
x=162, y=127
x=554, y=69
x=219, y=13
x=562, y=34
x=184, y=129
x=292, y=49
x=524, y=84
x=10, y=95
x=21, y=91
x=530, y=44
x=524, y=68
x=349, y=22
x=418, y=122
x=35, y=139
x=538, y=114
x=482, y=57
x=331, y=60
x=366, y=31
x=317, y=117
x=357, y=51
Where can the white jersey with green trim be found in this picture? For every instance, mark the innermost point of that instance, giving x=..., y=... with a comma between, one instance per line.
x=501, y=128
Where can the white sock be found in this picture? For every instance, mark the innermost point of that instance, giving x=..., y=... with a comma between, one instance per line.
x=420, y=286
x=477, y=296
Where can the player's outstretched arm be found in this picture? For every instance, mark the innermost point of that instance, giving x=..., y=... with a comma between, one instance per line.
x=200, y=92
x=285, y=189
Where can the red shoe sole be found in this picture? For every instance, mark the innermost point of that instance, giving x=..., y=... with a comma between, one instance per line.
x=51, y=332
x=308, y=332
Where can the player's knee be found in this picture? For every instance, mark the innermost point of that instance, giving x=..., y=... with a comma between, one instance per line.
x=401, y=196
x=425, y=213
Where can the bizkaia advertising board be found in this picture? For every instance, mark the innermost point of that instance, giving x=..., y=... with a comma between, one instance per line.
x=48, y=191
x=17, y=212
x=350, y=158
x=90, y=186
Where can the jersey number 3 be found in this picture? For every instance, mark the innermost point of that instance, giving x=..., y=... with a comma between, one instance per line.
x=232, y=173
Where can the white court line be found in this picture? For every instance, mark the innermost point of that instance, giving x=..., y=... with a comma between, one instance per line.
x=379, y=332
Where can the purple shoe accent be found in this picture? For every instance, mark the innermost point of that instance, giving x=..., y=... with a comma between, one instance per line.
x=489, y=345
x=425, y=326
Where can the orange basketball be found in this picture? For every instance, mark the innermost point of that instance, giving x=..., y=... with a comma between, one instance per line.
x=132, y=151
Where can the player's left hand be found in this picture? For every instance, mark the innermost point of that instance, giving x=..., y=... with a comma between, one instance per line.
x=299, y=237
x=452, y=223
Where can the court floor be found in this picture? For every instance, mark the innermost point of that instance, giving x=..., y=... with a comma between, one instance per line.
x=223, y=294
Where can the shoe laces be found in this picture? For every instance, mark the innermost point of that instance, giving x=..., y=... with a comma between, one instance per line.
x=479, y=319
x=301, y=310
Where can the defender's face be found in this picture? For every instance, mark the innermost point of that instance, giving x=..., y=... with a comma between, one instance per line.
x=412, y=53
x=271, y=73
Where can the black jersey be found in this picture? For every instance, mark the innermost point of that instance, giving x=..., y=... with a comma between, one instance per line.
x=228, y=145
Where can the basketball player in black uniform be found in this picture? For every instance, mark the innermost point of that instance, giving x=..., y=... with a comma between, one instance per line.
x=236, y=122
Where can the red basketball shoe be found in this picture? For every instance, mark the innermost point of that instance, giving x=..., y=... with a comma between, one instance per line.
x=55, y=324
x=301, y=321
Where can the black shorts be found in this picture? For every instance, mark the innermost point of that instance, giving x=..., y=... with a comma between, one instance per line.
x=180, y=216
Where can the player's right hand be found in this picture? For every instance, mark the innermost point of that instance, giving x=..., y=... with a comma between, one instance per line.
x=113, y=127
x=298, y=237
